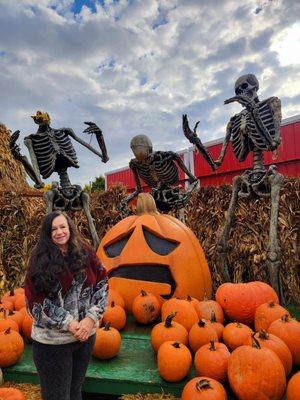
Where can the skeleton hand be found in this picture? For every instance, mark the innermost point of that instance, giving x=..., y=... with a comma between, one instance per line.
x=92, y=128
x=14, y=148
x=188, y=133
x=245, y=101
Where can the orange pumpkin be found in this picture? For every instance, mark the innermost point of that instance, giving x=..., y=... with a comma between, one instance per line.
x=108, y=342
x=11, y=393
x=288, y=330
x=293, y=387
x=235, y=334
x=212, y=360
x=11, y=347
x=154, y=252
x=19, y=301
x=113, y=295
x=173, y=361
x=185, y=312
x=168, y=330
x=256, y=373
x=27, y=326
x=6, y=323
x=205, y=307
x=145, y=308
x=7, y=305
x=203, y=388
x=240, y=300
x=266, y=313
x=16, y=316
x=200, y=334
x=12, y=294
x=115, y=315
x=274, y=343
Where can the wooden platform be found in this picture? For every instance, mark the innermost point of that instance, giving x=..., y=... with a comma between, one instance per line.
x=133, y=370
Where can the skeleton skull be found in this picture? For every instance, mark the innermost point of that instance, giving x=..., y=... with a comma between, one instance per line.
x=247, y=85
x=141, y=146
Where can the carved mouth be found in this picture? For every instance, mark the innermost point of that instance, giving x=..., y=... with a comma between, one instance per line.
x=142, y=272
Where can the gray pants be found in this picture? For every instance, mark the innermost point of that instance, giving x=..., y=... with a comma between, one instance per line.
x=62, y=368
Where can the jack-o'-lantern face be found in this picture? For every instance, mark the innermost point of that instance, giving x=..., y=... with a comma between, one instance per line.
x=156, y=253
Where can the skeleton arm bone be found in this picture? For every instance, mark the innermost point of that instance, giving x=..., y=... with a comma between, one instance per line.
x=103, y=156
x=195, y=140
x=225, y=144
x=181, y=165
x=138, y=189
x=30, y=169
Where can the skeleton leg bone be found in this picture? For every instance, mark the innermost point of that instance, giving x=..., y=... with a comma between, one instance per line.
x=224, y=237
x=85, y=205
x=273, y=252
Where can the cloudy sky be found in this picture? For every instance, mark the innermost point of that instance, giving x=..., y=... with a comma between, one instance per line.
x=135, y=66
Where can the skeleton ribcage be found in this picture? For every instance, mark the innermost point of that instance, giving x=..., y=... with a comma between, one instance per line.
x=161, y=169
x=54, y=151
x=246, y=134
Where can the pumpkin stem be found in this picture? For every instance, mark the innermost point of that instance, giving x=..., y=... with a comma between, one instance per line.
x=203, y=384
x=12, y=292
x=146, y=204
x=255, y=342
x=113, y=303
x=168, y=321
x=201, y=323
x=285, y=318
x=107, y=326
x=176, y=345
x=189, y=298
x=7, y=331
x=213, y=317
x=263, y=334
x=271, y=304
x=212, y=346
x=143, y=293
x=205, y=298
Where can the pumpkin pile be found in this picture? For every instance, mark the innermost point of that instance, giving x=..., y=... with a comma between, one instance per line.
x=243, y=339
x=15, y=326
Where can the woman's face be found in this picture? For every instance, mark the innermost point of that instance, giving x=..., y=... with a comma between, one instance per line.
x=60, y=233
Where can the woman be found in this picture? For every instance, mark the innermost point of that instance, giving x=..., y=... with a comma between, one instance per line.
x=66, y=294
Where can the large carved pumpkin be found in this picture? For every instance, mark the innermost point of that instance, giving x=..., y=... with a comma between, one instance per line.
x=156, y=253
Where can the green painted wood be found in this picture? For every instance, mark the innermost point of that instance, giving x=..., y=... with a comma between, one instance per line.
x=133, y=370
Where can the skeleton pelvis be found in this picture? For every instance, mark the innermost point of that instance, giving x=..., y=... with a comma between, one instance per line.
x=256, y=183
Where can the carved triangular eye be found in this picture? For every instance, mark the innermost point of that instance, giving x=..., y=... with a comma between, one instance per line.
x=158, y=244
x=114, y=249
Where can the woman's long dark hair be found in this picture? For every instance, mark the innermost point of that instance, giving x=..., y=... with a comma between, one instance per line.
x=47, y=262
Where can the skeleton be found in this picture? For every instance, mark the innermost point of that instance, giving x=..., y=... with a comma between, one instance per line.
x=51, y=150
x=255, y=129
x=159, y=170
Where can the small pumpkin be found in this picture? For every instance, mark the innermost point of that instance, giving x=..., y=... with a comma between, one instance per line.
x=203, y=388
x=145, y=308
x=12, y=294
x=293, y=387
x=7, y=305
x=11, y=347
x=201, y=333
x=288, y=330
x=115, y=315
x=108, y=342
x=235, y=334
x=212, y=360
x=19, y=301
x=267, y=313
x=16, y=316
x=168, y=330
x=255, y=372
x=6, y=323
x=113, y=295
x=185, y=312
x=205, y=307
x=27, y=326
x=173, y=361
x=146, y=251
x=11, y=393
x=240, y=300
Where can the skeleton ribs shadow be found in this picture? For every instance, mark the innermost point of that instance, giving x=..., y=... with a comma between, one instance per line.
x=51, y=150
x=255, y=129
